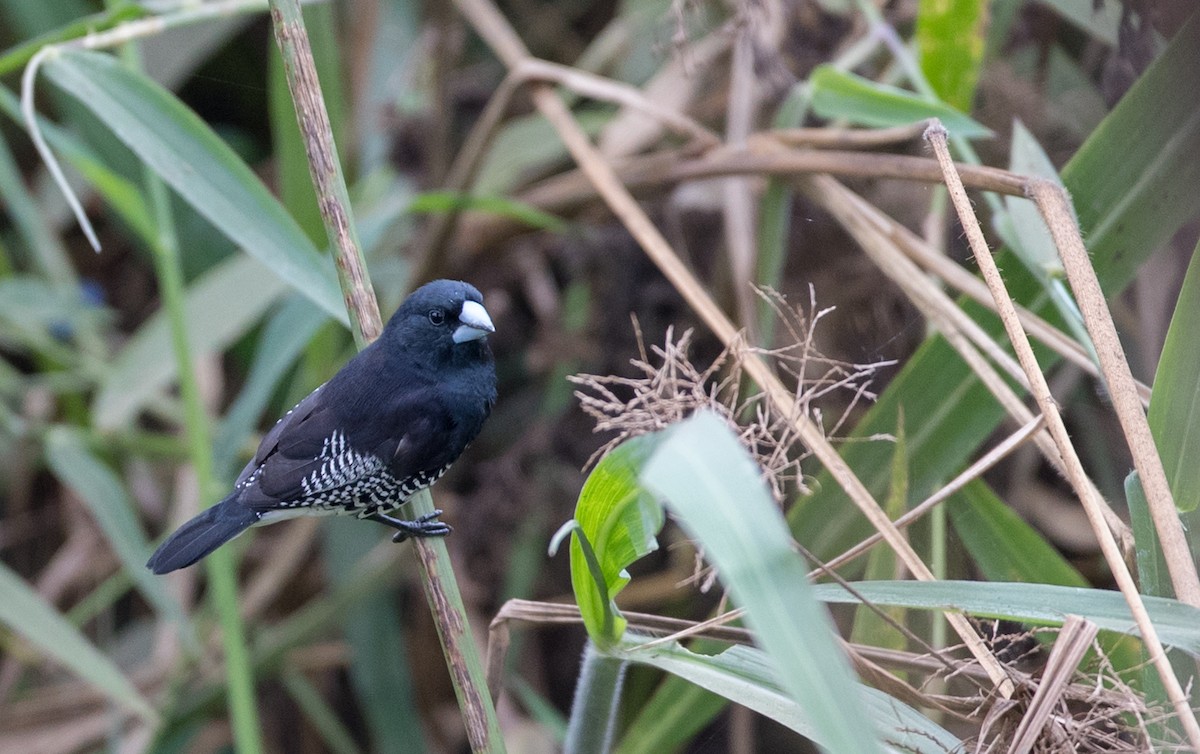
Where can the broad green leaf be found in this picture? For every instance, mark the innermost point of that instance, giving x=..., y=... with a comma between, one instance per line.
x=747, y=676
x=838, y=94
x=1175, y=403
x=1003, y=546
x=714, y=489
x=192, y=160
x=950, y=47
x=25, y=613
x=105, y=497
x=1133, y=184
x=620, y=520
x=1043, y=604
x=220, y=307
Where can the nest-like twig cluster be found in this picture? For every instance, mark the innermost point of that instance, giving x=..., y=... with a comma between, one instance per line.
x=1097, y=711
x=670, y=387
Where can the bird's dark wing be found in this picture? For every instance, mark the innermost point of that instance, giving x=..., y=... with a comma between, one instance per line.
x=321, y=450
x=286, y=424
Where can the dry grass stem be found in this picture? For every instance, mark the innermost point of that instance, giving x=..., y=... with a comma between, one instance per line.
x=1055, y=207
x=847, y=138
x=1074, y=469
x=867, y=224
x=1074, y=639
x=972, y=472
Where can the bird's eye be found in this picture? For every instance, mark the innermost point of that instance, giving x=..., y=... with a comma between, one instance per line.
x=437, y=316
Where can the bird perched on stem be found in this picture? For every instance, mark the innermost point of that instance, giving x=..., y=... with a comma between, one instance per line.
x=387, y=425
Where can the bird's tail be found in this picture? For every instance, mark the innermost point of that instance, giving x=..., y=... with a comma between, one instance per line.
x=203, y=534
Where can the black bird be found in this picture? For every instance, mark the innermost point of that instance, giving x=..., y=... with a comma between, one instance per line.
x=387, y=425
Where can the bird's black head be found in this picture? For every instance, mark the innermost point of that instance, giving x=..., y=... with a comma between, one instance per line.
x=442, y=320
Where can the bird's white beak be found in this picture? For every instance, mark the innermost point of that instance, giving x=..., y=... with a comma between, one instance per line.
x=475, y=323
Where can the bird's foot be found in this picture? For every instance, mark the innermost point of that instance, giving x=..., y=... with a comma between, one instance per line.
x=425, y=526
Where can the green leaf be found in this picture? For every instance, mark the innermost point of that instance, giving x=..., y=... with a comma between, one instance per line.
x=620, y=520
x=1024, y=226
x=747, y=676
x=1044, y=604
x=1003, y=546
x=104, y=495
x=1175, y=402
x=191, y=159
x=221, y=306
x=714, y=489
x=1151, y=564
x=950, y=47
x=25, y=612
x=838, y=94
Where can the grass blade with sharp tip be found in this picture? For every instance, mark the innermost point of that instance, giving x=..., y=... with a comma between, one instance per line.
x=838, y=94
x=173, y=141
x=1043, y=604
x=714, y=489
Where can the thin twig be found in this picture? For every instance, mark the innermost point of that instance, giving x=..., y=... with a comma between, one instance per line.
x=972, y=472
x=482, y=726
x=1075, y=473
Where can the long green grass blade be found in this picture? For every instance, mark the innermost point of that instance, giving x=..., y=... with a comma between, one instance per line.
x=1044, y=604
x=711, y=484
x=193, y=161
x=1175, y=403
x=221, y=306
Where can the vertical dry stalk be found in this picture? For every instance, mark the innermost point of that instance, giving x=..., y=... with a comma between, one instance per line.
x=493, y=27
x=1052, y=201
x=462, y=656
x=936, y=134
x=326, y=169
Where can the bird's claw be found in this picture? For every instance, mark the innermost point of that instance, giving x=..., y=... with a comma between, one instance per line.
x=425, y=526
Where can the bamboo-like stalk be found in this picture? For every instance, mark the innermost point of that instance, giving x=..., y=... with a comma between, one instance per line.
x=1058, y=430
x=462, y=656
